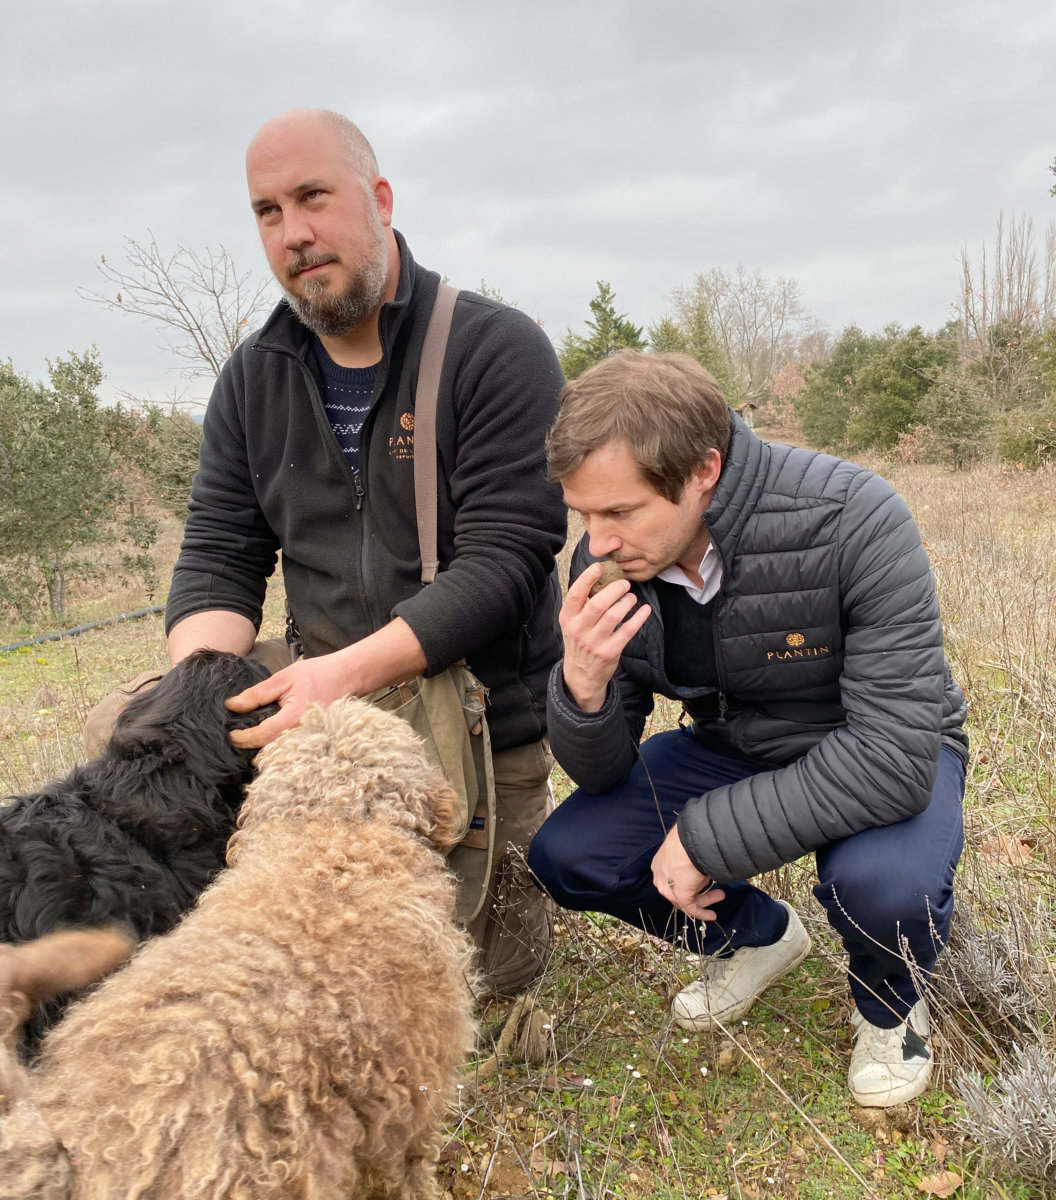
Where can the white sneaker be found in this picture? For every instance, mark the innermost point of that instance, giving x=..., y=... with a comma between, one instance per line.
x=728, y=987
x=890, y=1066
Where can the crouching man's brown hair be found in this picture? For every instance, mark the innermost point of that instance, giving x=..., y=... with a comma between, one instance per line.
x=667, y=407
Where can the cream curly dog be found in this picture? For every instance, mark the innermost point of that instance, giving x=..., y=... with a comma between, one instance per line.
x=298, y=1035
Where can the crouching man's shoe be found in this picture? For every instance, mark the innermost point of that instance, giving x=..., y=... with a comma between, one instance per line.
x=890, y=1066
x=728, y=987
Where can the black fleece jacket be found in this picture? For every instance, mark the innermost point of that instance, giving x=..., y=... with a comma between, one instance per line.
x=830, y=666
x=272, y=478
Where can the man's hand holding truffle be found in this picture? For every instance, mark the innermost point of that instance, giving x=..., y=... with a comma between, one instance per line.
x=598, y=619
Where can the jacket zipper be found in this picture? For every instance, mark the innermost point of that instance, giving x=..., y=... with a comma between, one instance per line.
x=357, y=482
x=715, y=634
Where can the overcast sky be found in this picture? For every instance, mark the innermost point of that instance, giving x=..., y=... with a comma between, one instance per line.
x=541, y=147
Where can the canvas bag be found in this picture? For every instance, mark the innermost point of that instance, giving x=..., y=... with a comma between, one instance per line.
x=447, y=710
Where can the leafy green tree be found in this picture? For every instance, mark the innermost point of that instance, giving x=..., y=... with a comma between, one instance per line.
x=665, y=337
x=1045, y=348
x=705, y=348
x=692, y=336
x=958, y=418
x=608, y=332
x=694, y=322
x=825, y=404
x=873, y=387
x=175, y=459
x=891, y=386
x=1028, y=438
x=67, y=468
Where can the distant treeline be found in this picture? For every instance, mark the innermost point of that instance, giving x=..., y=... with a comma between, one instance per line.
x=981, y=387
x=76, y=475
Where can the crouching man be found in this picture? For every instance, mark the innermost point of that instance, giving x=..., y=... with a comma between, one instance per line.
x=784, y=598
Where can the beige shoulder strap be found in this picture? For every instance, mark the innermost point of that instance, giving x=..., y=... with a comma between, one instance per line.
x=425, y=398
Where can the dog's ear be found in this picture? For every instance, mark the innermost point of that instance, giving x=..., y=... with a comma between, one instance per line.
x=246, y=673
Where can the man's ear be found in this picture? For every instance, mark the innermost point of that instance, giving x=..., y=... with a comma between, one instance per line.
x=705, y=476
x=383, y=199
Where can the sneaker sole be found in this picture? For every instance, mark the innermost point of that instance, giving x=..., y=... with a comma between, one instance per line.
x=894, y=1096
x=705, y=1023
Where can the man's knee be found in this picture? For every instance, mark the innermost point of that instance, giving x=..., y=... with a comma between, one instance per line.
x=541, y=858
x=884, y=900
x=552, y=859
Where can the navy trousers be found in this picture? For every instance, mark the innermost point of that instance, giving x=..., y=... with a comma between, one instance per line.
x=888, y=892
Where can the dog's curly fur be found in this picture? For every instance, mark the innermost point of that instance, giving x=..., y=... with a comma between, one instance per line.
x=298, y=1035
x=134, y=835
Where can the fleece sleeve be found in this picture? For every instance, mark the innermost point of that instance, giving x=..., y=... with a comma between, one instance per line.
x=228, y=549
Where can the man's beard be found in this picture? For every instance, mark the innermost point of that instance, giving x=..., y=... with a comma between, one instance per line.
x=337, y=315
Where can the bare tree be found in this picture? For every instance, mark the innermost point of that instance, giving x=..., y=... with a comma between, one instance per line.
x=205, y=304
x=757, y=323
x=1007, y=299
x=814, y=344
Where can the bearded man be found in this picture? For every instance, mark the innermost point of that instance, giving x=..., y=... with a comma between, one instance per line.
x=308, y=453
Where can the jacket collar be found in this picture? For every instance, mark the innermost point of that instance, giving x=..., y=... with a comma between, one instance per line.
x=738, y=488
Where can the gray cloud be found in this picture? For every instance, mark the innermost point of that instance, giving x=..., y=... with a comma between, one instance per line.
x=539, y=147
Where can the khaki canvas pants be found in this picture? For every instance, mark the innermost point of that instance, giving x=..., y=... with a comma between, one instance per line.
x=515, y=927
x=513, y=930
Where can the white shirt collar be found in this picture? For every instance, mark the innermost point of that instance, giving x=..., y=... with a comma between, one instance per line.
x=710, y=571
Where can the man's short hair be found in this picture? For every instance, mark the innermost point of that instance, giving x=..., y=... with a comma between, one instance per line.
x=667, y=408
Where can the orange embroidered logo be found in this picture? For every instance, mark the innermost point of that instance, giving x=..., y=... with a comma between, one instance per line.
x=797, y=649
x=401, y=447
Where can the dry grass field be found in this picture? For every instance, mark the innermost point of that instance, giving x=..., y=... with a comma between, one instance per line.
x=625, y=1104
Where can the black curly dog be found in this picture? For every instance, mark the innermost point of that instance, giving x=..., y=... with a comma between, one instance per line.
x=134, y=836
